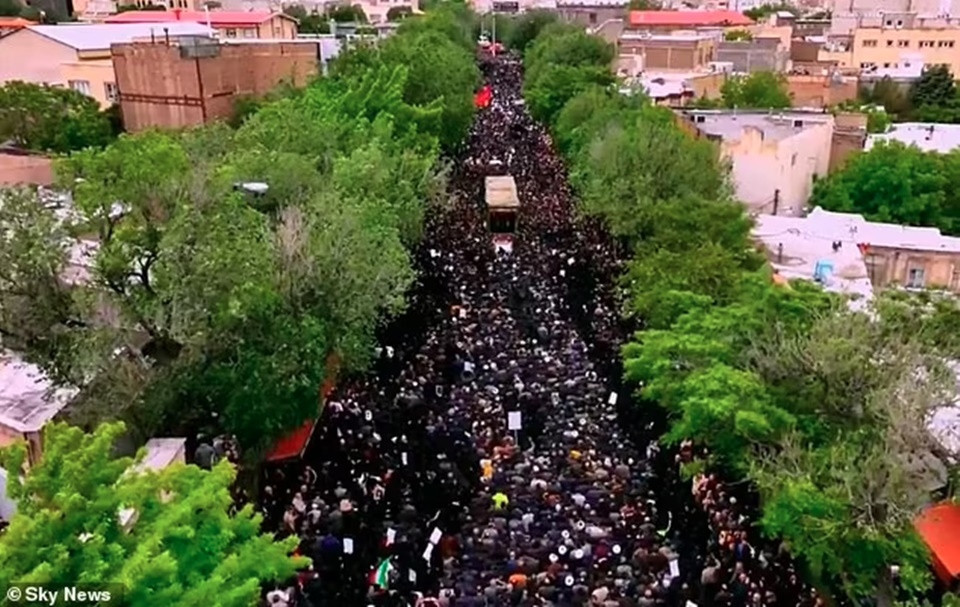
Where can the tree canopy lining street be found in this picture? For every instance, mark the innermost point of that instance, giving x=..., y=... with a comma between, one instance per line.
x=766, y=378
x=209, y=307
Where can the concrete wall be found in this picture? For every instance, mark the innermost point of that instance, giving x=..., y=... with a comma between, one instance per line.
x=25, y=169
x=754, y=56
x=761, y=168
x=804, y=51
x=820, y=91
x=28, y=56
x=160, y=89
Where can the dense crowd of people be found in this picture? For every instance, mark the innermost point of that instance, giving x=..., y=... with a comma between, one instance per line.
x=488, y=459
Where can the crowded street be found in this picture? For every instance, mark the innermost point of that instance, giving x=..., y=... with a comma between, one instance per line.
x=493, y=456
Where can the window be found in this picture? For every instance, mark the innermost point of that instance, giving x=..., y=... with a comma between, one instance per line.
x=903, y=43
x=889, y=42
x=869, y=43
x=249, y=33
x=926, y=43
x=82, y=86
x=231, y=32
x=949, y=43
x=915, y=278
x=111, y=92
x=593, y=17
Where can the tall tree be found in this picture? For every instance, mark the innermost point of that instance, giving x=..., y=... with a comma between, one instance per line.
x=934, y=87
x=897, y=184
x=51, y=119
x=180, y=545
x=758, y=90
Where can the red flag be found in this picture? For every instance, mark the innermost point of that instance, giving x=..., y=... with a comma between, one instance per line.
x=483, y=98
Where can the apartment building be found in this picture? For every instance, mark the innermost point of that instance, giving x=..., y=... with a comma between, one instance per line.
x=891, y=48
x=592, y=13
x=78, y=55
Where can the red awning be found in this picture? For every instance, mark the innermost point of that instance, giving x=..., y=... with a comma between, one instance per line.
x=939, y=526
x=293, y=444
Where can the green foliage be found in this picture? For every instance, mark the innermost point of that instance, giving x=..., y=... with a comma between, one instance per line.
x=10, y=8
x=757, y=90
x=889, y=94
x=738, y=36
x=878, y=121
x=182, y=547
x=895, y=183
x=562, y=62
x=211, y=308
x=51, y=119
x=308, y=22
x=934, y=87
x=526, y=28
x=821, y=408
x=761, y=12
x=644, y=5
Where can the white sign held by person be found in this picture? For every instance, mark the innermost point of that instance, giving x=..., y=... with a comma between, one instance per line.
x=347, y=545
x=514, y=420
x=436, y=535
x=674, y=568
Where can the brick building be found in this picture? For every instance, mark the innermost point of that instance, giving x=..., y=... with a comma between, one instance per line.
x=194, y=81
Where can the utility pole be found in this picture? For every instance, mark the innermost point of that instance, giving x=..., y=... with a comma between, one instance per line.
x=776, y=200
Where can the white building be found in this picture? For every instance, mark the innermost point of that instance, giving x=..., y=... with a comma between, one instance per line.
x=928, y=136
x=805, y=248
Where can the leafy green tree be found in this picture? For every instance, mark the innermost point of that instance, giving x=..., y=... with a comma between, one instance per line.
x=51, y=119
x=181, y=545
x=737, y=36
x=895, y=183
x=527, y=27
x=309, y=22
x=935, y=87
x=761, y=12
x=890, y=95
x=438, y=70
x=758, y=90
x=10, y=8
x=644, y=5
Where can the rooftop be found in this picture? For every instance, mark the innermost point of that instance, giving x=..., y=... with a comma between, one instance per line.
x=688, y=19
x=796, y=246
x=28, y=400
x=15, y=22
x=730, y=124
x=685, y=37
x=215, y=18
x=83, y=37
x=563, y=3
x=161, y=452
x=927, y=136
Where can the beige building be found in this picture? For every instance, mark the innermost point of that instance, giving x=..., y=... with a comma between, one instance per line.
x=891, y=48
x=78, y=56
x=775, y=157
x=682, y=52
x=228, y=24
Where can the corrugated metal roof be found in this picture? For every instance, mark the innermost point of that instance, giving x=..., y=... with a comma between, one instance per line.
x=84, y=37
x=688, y=18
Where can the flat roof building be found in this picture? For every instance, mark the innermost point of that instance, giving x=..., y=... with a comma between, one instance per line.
x=928, y=136
x=775, y=156
x=229, y=24
x=77, y=56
